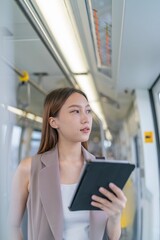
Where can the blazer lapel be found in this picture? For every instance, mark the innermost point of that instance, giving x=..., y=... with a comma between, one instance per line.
x=50, y=193
x=98, y=219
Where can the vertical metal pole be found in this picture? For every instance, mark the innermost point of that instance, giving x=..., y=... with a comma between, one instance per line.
x=102, y=138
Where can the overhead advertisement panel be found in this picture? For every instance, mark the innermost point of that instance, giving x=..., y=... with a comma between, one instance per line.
x=100, y=16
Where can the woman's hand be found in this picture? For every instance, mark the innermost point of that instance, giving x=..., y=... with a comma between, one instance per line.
x=112, y=204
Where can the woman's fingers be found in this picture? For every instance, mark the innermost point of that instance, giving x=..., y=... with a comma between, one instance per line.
x=115, y=201
x=118, y=192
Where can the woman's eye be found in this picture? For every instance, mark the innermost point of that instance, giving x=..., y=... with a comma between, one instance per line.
x=75, y=111
x=89, y=111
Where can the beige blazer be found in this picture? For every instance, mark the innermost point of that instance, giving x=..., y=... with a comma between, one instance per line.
x=45, y=212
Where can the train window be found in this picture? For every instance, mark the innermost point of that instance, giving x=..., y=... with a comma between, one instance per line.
x=15, y=143
x=3, y=134
x=35, y=141
x=159, y=96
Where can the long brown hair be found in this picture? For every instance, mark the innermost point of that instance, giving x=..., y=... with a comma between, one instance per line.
x=52, y=105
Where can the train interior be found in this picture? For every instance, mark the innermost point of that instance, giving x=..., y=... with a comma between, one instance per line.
x=111, y=50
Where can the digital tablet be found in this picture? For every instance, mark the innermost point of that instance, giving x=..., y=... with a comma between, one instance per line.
x=99, y=173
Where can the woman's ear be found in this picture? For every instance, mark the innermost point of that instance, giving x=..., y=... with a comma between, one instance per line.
x=52, y=122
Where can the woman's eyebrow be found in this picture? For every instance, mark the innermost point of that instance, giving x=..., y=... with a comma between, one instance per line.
x=79, y=106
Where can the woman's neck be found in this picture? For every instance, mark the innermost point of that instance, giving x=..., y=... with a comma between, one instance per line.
x=70, y=152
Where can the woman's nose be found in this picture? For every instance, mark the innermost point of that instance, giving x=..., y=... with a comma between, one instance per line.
x=84, y=118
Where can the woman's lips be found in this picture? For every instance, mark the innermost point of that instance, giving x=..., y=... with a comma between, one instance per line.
x=85, y=130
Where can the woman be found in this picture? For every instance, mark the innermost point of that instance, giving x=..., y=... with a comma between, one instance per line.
x=45, y=183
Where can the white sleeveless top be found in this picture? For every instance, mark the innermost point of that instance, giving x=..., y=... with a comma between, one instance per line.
x=76, y=223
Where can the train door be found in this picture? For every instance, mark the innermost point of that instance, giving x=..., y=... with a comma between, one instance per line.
x=156, y=109
x=156, y=99
x=155, y=96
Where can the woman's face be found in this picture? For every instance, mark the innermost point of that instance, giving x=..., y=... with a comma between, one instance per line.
x=74, y=120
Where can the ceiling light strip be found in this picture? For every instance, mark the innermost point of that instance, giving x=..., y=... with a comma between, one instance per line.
x=24, y=114
x=63, y=31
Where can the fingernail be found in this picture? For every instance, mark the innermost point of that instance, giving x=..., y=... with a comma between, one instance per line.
x=111, y=185
x=93, y=197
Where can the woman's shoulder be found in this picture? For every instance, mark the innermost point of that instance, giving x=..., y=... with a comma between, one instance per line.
x=22, y=175
x=25, y=166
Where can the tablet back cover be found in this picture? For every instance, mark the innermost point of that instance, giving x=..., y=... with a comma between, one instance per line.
x=98, y=174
